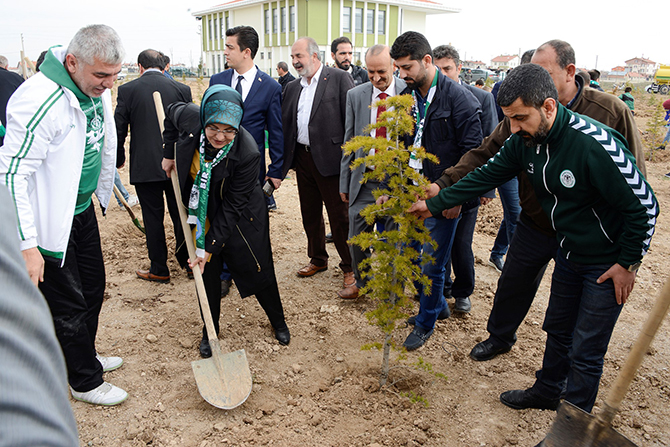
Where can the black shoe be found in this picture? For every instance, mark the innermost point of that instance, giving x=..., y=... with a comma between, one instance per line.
x=329, y=238
x=486, y=350
x=283, y=336
x=417, y=338
x=443, y=315
x=225, y=287
x=205, y=349
x=463, y=305
x=522, y=399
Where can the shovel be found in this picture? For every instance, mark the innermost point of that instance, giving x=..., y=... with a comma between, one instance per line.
x=224, y=380
x=119, y=196
x=573, y=427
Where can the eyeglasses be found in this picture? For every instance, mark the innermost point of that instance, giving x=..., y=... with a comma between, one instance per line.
x=225, y=132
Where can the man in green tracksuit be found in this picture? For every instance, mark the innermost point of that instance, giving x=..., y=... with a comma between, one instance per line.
x=604, y=214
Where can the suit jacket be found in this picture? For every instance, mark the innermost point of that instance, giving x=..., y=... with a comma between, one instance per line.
x=359, y=100
x=489, y=114
x=262, y=110
x=326, y=122
x=284, y=80
x=135, y=107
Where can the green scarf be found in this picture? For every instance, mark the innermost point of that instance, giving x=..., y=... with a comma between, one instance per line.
x=197, y=203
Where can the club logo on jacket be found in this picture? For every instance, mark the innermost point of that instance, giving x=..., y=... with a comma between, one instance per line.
x=567, y=178
x=531, y=168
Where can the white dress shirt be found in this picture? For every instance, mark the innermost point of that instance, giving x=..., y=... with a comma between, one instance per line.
x=247, y=80
x=305, y=105
x=390, y=90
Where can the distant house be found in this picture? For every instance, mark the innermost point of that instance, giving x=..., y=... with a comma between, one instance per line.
x=474, y=64
x=641, y=65
x=280, y=23
x=505, y=62
x=614, y=75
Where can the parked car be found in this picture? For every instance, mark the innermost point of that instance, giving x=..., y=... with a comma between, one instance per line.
x=178, y=72
x=465, y=75
x=479, y=73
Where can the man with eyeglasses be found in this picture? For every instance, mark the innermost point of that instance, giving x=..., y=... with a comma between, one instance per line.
x=135, y=108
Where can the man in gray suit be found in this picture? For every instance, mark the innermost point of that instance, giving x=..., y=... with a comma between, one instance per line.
x=359, y=114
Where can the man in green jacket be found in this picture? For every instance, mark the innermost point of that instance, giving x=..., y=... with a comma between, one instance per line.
x=604, y=214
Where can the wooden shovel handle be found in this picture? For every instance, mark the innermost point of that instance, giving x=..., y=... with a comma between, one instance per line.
x=636, y=355
x=197, y=275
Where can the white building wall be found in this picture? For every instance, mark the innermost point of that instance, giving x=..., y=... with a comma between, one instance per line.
x=413, y=21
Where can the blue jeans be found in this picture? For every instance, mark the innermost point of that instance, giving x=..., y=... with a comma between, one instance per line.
x=122, y=190
x=667, y=135
x=462, y=258
x=509, y=197
x=579, y=322
x=442, y=231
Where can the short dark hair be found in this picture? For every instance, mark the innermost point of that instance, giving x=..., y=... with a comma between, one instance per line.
x=283, y=65
x=565, y=55
x=531, y=83
x=247, y=37
x=412, y=44
x=527, y=56
x=337, y=42
x=446, y=51
x=628, y=89
x=151, y=59
x=594, y=74
x=479, y=81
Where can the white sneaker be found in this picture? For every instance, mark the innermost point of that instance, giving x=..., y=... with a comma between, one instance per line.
x=132, y=201
x=105, y=394
x=109, y=363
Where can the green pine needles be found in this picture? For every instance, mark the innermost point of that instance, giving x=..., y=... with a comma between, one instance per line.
x=393, y=268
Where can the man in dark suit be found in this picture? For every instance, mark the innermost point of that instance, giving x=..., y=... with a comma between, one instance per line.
x=135, y=107
x=285, y=76
x=359, y=115
x=341, y=50
x=262, y=100
x=9, y=82
x=313, y=113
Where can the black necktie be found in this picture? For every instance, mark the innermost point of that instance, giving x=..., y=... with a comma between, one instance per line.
x=238, y=87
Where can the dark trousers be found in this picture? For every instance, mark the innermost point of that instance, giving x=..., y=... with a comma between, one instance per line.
x=316, y=190
x=579, y=322
x=527, y=259
x=74, y=293
x=153, y=214
x=268, y=297
x=462, y=259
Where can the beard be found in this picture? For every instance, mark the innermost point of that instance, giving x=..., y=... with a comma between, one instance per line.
x=419, y=81
x=344, y=65
x=532, y=140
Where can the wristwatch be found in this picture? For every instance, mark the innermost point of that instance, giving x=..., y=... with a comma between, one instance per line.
x=634, y=267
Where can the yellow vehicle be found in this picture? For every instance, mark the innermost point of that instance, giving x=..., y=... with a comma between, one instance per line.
x=661, y=82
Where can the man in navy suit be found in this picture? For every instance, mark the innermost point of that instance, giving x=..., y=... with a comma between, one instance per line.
x=262, y=100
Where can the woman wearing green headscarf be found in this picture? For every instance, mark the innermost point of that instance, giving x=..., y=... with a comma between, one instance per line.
x=217, y=163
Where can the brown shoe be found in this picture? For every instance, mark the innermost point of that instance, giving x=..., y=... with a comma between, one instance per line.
x=311, y=269
x=349, y=292
x=148, y=276
x=349, y=279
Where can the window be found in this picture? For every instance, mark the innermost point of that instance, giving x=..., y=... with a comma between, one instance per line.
x=381, y=22
x=283, y=19
x=262, y=55
x=291, y=21
x=371, y=21
x=359, y=20
x=267, y=21
x=346, y=19
x=218, y=58
x=215, y=30
x=209, y=26
x=275, y=20
x=223, y=27
x=227, y=24
x=269, y=55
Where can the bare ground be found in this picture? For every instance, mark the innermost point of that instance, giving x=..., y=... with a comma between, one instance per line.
x=322, y=390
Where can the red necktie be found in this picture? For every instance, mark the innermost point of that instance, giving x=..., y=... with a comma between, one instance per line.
x=381, y=131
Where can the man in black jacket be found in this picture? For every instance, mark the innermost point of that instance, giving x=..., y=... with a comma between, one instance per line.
x=285, y=76
x=135, y=107
x=9, y=82
x=341, y=50
x=448, y=125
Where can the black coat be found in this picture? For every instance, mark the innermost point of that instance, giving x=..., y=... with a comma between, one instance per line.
x=238, y=216
x=9, y=82
x=135, y=107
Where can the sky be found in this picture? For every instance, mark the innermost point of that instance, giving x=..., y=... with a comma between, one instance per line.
x=603, y=35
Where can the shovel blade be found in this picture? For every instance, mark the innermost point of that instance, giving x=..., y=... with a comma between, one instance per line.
x=573, y=427
x=223, y=380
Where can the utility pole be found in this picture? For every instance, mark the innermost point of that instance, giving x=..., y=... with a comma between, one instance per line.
x=596, y=67
x=23, y=62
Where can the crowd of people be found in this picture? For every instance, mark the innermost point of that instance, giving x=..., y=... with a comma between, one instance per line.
x=566, y=159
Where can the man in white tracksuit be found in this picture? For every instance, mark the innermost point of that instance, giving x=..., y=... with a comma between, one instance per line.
x=60, y=147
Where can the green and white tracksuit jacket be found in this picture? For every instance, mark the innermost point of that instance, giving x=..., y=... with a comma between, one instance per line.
x=42, y=156
x=586, y=180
